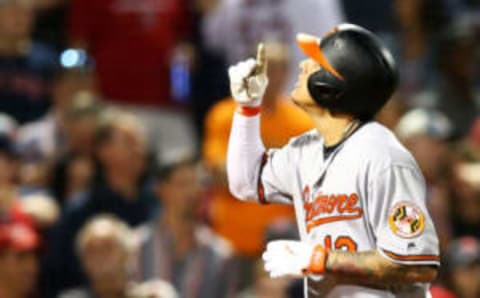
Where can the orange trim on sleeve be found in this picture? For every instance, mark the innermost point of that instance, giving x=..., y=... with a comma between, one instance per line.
x=249, y=111
x=434, y=258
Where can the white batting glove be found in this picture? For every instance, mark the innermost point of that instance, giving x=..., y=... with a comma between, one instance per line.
x=294, y=258
x=248, y=80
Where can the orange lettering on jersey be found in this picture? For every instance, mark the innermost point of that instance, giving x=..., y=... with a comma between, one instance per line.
x=330, y=208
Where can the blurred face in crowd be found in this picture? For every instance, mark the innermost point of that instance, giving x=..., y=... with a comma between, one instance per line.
x=105, y=259
x=431, y=155
x=79, y=174
x=466, y=281
x=300, y=93
x=8, y=169
x=126, y=149
x=18, y=272
x=180, y=191
x=34, y=174
x=69, y=85
x=468, y=195
x=80, y=131
x=16, y=18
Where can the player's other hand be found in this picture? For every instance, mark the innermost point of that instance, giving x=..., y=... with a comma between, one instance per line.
x=294, y=258
x=248, y=79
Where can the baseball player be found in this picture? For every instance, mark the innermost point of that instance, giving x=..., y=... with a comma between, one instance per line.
x=358, y=194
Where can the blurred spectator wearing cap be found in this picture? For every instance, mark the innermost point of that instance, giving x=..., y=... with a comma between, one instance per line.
x=26, y=67
x=243, y=223
x=463, y=265
x=105, y=246
x=18, y=259
x=470, y=146
x=119, y=189
x=142, y=55
x=426, y=134
x=465, y=196
x=177, y=246
x=46, y=138
x=454, y=93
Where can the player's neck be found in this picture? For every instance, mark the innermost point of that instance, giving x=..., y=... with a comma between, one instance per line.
x=332, y=128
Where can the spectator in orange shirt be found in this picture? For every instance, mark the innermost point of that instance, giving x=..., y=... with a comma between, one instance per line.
x=243, y=223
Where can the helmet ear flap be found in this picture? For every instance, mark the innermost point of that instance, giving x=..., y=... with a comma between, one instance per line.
x=324, y=92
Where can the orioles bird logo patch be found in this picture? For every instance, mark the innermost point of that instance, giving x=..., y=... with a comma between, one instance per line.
x=406, y=220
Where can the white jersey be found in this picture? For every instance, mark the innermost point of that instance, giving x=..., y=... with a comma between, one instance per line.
x=367, y=194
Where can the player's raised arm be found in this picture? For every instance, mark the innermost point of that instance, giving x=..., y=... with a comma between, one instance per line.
x=248, y=81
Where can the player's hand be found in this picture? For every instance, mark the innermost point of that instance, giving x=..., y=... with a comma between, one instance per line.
x=248, y=79
x=294, y=258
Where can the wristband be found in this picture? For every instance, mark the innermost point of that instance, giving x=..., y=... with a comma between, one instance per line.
x=318, y=260
x=248, y=111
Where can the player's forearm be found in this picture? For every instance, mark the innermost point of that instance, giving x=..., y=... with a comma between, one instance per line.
x=245, y=151
x=371, y=267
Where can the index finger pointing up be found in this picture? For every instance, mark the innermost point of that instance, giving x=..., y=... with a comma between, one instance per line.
x=261, y=58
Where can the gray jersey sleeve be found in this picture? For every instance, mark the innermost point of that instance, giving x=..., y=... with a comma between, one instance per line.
x=399, y=217
x=276, y=176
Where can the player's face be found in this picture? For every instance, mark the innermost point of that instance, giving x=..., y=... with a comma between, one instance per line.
x=300, y=94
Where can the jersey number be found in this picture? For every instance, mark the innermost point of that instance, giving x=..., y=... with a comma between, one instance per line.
x=341, y=243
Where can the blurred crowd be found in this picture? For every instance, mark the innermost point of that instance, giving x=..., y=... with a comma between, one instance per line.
x=114, y=125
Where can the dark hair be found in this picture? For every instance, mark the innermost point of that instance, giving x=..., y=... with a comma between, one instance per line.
x=164, y=171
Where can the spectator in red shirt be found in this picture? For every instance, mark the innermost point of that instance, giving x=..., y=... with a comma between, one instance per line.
x=134, y=44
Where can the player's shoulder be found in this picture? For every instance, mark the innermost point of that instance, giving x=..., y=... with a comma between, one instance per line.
x=378, y=146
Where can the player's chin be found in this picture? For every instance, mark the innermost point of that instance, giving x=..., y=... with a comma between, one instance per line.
x=297, y=99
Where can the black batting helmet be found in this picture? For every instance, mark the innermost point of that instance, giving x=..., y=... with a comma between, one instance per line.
x=358, y=74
